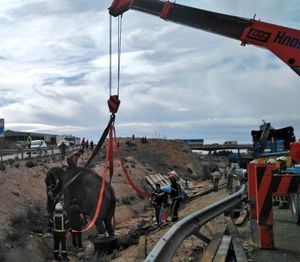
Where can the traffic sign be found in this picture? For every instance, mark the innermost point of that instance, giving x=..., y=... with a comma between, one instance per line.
x=2, y=127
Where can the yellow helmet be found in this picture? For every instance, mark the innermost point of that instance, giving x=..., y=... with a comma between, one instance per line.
x=59, y=207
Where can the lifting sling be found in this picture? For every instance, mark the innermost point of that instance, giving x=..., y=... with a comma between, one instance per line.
x=113, y=105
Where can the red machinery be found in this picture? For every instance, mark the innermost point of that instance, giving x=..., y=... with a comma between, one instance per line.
x=282, y=41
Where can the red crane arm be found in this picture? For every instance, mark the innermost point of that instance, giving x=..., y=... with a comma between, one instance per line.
x=282, y=41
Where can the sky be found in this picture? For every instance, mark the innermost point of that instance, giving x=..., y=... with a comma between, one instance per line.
x=176, y=81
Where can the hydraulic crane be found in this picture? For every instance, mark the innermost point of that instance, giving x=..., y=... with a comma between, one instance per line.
x=264, y=178
x=284, y=42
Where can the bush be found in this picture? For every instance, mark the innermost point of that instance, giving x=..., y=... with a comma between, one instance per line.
x=132, y=197
x=18, y=220
x=17, y=165
x=130, y=144
x=190, y=170
x=21, y=225
x=17, y=233
x=2, y=166
x=35, y=218
x=14, y=236
x=1, y=253
x=126, y=200
x=29, y=164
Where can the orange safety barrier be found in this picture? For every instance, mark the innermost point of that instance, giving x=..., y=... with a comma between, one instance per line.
x=251, y=188
x=266, y=183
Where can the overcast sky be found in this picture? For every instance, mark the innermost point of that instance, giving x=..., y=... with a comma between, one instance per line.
x=176, y=82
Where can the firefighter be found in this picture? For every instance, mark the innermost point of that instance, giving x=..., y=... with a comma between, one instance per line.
x=59, y=224
x=159, y=199
x=175, y=195
x=77, y=219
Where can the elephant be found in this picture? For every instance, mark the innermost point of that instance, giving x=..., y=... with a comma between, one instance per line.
x=85, y=188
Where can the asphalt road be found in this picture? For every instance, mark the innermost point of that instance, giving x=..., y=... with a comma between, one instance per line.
x=286, y=238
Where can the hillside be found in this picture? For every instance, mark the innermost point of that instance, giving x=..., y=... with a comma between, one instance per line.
x=23, y=213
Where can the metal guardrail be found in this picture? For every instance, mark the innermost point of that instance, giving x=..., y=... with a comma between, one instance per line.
x=191, y=225
x=22, y=153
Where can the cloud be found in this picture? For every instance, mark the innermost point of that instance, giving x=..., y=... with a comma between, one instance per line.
x=175, y=81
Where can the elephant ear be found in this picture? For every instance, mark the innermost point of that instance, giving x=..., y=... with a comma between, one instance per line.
x=55, y=171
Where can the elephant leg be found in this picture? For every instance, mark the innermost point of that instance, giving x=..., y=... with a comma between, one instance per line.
x=100, y=227
x=109, y=227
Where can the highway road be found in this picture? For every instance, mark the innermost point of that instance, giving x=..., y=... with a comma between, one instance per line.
x=286, y=239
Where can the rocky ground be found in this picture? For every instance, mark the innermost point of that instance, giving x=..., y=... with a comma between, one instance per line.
x=23, y=219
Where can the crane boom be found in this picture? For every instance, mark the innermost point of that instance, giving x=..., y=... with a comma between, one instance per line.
x=284, y=42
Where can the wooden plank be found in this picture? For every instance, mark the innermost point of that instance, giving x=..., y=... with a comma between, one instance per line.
x=163, y=179
x=223, y=249
x=150, y=181
x=236, y=241
x=159, y=179
x=212, y=248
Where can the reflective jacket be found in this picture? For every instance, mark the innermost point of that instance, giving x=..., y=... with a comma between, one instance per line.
x=59, y=223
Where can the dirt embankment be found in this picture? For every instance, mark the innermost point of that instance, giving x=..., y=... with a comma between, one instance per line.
x=23, y=218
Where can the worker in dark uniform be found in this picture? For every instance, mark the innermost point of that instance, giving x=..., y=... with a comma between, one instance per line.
x=92, y=145
x=159, y=199
x=59, y=224
x=283, y=200
x=175, y=195
x=77, y=219
x=54, y=186
x=63, y=148
x=73, y=158
x=29, y=141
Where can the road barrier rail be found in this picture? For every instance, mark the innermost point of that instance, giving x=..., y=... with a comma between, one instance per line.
x=24, y=153
x=166, y=247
